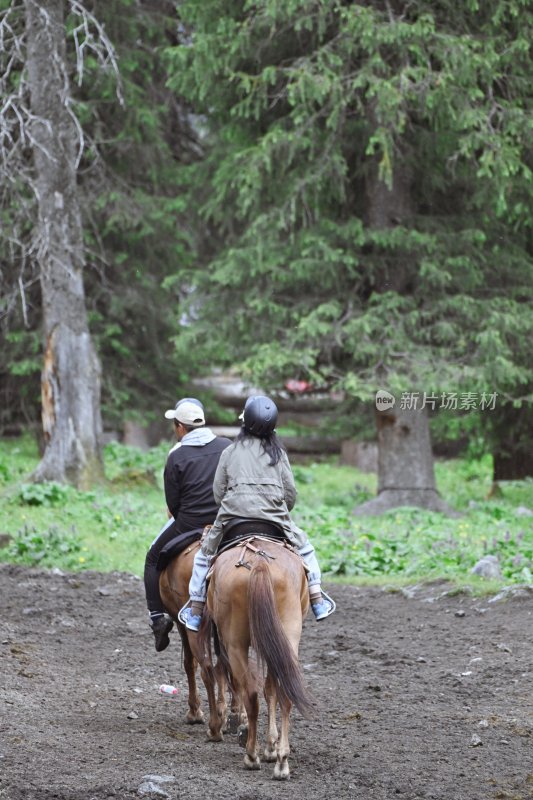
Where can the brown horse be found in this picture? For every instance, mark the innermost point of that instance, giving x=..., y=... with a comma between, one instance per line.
x=174, y=589
x=257, y=598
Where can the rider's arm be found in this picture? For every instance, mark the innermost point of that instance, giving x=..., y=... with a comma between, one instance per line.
x=289, y=487
x=172, y=487
x=220, y=482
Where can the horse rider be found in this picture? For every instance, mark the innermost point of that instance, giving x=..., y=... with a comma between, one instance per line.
x=254, y=482
x=188, y=480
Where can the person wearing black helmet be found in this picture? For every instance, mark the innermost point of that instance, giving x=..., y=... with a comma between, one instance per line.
x=254, y=482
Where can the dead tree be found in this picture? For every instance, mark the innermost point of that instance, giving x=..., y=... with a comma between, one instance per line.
x=41, y=143
x=70, y=379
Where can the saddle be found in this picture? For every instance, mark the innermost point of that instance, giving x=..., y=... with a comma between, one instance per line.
x=176, y=546
x=245, y=532
x=240, y=528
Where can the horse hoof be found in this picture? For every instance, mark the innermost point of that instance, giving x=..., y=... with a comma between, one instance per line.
x=252, y=763
x=214, y=737
x=232, y=723
x=242, y=735
x=195, y=719
x=281, y=773
x=270, y=755
x=190, y=720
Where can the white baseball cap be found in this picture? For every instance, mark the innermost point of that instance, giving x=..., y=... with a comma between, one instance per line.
x=188, y=411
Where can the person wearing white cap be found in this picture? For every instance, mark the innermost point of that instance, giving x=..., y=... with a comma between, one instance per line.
x=188, y=479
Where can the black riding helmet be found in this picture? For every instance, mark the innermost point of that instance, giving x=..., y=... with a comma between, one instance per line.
x=260, y=415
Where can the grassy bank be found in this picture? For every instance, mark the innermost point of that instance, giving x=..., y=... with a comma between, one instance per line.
x=111, y=527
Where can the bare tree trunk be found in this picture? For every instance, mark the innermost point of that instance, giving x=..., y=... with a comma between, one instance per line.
x=406, y=475
x=405, y=459
x=71, y=372
x=511, y=432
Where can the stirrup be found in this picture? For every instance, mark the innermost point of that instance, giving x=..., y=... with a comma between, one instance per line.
x=181, y=612
x=324, y=607
x=187, y=618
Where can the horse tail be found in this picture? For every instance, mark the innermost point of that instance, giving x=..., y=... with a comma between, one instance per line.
x=271, y=644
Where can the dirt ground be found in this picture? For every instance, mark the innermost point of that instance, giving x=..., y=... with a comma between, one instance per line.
x=421, y=693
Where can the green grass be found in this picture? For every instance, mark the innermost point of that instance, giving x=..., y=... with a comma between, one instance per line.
x=108, y=528
x=411, y=544
x=111, y=527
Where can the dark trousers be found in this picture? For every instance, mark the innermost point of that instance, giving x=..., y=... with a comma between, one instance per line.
x=169, y=531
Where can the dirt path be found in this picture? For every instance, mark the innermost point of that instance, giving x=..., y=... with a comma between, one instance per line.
x=404, y=680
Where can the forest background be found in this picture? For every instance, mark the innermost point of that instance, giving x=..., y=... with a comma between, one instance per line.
x=327, y=192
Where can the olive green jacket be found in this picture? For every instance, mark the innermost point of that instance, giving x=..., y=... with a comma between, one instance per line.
x=246, y=486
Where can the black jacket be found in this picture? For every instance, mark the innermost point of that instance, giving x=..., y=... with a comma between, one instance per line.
x=189, y=474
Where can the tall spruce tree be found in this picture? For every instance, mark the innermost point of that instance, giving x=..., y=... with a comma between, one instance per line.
x=136, y=213
x=366, y=195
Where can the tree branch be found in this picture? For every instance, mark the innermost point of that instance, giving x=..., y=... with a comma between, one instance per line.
x=100, y=45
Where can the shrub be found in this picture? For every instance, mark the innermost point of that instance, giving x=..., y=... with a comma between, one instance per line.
x=45, y=548
x=43, y=494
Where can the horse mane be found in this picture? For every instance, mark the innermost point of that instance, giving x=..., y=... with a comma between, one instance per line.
x=270, y=642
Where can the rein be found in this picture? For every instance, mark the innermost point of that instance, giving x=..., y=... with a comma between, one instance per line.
x=247, y=545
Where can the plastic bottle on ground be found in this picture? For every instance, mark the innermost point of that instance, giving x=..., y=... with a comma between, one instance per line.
x=168, y=690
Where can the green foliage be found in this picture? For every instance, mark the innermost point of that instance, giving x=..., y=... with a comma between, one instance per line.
x=49, y=493
x=5, y=475
x=135, y=220
x=44, y=549
x=125, y=463
x=409, y=543
x=367, y=189
x=413, y=543
x=134, y=216
x=20, y=358
x=336, y=191
x=112, y=527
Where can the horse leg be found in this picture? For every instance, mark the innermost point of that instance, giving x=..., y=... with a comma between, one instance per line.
x=251, y=703
x=214, y=729
x=195, y=715
x=221, y=705
x=281, y=768
x=246, y=683
x=237, y=716
x=271, y=749
x=173, y=587
x=209, y=677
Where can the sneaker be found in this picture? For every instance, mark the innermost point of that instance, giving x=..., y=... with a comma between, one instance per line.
x=190, y=620
x=161, y=627
x=324, y=607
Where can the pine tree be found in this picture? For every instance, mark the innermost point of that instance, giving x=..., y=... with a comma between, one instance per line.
x=366, y=193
